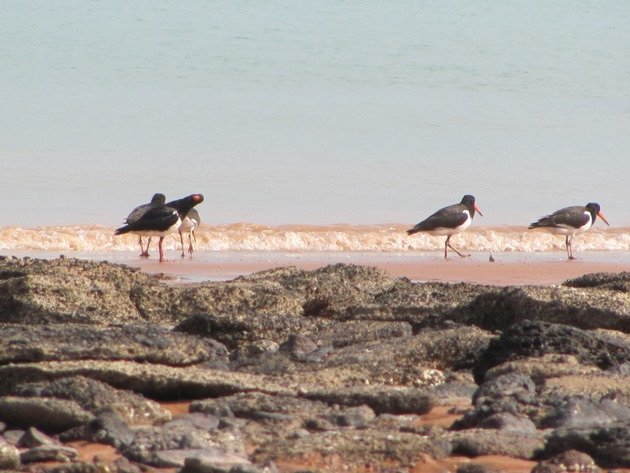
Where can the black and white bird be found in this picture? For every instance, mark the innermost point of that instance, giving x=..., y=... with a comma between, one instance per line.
x=162, y=220
x=570, y=221
x=189, y=223
x=139, y=211
x=449, y=221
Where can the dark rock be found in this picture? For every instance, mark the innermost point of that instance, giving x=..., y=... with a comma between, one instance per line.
x=121, y=465
x=612, y=281
x=35, y=291
x=477, y=468
x=513, y=385
x=150, y=443
x=508, y=422
x=609, y=444
x=34, y=438
x=476, y=442
x=355, y=417
x=153, y=380
x=140, y=343
x=533, y=339
x=571, y=460
x=110, y=429
x=196, y=459
x=49, y=453
x=50, y=415
x=96, y=396
x=197, y=420
x=256, y=405
x=382, y=399
x=500, y=309
x=584, y=413
x=352, y=332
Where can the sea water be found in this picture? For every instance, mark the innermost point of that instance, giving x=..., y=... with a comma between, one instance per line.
x=313, y=113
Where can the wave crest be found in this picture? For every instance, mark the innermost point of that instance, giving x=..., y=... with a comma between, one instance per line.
x=253, y=237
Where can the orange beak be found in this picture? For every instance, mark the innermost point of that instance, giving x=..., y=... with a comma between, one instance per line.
x=601, y=215
x=479, y=211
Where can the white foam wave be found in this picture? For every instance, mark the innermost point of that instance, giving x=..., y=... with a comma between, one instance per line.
x=251, y=237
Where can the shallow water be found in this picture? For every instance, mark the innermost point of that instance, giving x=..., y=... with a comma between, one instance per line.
x=313, y=112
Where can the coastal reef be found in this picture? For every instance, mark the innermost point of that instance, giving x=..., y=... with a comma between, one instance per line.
x=286, y=370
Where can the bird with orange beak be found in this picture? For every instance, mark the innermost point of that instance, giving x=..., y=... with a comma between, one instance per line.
x=449, y=221
x=570, y=221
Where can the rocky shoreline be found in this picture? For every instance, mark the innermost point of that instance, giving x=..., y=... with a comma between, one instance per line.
x=338, y=362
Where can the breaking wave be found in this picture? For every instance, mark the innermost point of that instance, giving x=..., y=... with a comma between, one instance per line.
x=298, y=238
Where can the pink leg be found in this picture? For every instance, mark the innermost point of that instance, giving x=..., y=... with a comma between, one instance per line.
x=181, y=239
x=161, y=251
x=190, y=245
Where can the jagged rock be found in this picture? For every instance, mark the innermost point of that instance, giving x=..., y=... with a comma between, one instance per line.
x=34, y=291
x=106, y=428
x=382, y=399
x=50, y=415
x=584, y=413
x=120, y=465
x=500, y=309
x=476, y=442
x=357, y=446
x=477, y=468
x=141, y=343
x=168, y=446
x=569, y=461
x=612, y=281
x=34, y=438
x=155, y=381
x=534, y=339
x=505, y=421
x=197, y=420
x=49, y=453
x=608, y=444
x=97, y=397
x=540, y=369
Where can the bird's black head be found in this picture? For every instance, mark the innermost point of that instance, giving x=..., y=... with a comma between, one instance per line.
x=158, y=199
x=469, y=201
x=595, y=211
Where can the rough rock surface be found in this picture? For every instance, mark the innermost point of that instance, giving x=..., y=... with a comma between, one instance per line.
x=337, y=366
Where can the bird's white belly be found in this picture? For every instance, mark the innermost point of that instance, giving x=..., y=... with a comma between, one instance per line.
x=569, y=230
x=156, y=233
x=187, y=225
x=444, y=231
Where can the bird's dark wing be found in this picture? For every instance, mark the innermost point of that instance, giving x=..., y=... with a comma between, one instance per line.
x=136, y=213
x=194, y=215
x=569, y=217
x=155, y=219
x=449, y=217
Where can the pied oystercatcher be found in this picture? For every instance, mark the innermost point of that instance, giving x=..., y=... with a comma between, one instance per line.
x=162, y=219
x=139, y=211
x=449, y=221
x=570, y=221
x=189, y=223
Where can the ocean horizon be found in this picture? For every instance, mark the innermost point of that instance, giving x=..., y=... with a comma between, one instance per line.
x=313, y=113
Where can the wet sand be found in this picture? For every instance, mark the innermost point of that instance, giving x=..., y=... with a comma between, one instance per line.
x=507, y=269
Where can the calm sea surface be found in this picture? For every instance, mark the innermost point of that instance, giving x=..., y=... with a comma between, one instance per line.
x=358, y=112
